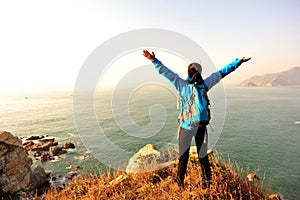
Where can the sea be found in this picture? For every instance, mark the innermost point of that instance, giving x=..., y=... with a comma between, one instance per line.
x=257, y=128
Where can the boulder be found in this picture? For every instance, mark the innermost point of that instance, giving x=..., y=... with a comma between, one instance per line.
x=38, y=177
x=15, y=168
x=69, y=145
x=45, y=157
x=45, y=149
x=15, y=165
x=8, y=138
x=149, y=150
x=56, y=151
x=71, y=175
x=35, y=137
x=140, y=161
x=149, y=158
x=46, y=140
x=41, y=145
x=28, y=144
x=37, y=153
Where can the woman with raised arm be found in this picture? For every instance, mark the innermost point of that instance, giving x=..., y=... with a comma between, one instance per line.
x=194, y=114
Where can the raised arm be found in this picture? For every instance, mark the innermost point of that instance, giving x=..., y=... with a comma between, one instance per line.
x=214, y=78
x=148, y=55
x=174, y=78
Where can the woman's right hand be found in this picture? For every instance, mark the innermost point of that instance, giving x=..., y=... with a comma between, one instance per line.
x=151, y=57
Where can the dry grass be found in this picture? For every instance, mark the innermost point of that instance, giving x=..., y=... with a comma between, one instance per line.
x=226, y=184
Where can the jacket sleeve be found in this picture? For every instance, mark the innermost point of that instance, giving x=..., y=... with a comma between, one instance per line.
x=174, y=78
x=214, y=78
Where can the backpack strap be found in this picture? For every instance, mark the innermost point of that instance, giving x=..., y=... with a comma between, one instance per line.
x=205, y=86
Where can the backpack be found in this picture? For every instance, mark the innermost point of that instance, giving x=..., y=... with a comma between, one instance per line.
x=196, y=111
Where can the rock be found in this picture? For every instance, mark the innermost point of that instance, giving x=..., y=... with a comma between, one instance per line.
x=3, y=150
x=71, y=175
x=54, y=143
x=8, y=138
x=69, y=145
x=140, y=161
x=56, y=150
x=58, y=181
x=15, y=165
x=42, y=145
x=37, y=153
x=252, y=177
x=27, y=144
x=274, y=197
x=35, y=137
x=45, y=157
x=48, y=175
x=149, y=158
x=38, y=177
x=46, y=140
x=15, y=169
x=149, y=149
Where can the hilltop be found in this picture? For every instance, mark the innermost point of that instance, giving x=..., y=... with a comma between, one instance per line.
x=227, y=183
x=285, y=78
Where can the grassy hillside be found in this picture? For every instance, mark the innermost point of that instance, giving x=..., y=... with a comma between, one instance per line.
x=226, y=184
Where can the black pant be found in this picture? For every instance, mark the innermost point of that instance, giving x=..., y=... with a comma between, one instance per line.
x=184, y=140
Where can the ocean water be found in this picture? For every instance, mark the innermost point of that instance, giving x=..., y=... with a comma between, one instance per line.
x=261, y=130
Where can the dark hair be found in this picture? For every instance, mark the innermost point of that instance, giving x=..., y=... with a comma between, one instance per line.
x=194, y=75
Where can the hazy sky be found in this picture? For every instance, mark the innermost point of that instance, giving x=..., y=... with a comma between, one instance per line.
x=43, y=44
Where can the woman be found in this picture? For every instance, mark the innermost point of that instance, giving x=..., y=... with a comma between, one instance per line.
x=187, y=126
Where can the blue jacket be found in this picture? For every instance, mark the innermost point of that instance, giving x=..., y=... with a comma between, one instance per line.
x=185, y=89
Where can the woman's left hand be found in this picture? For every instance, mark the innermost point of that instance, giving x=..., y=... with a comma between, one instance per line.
x=244, y=59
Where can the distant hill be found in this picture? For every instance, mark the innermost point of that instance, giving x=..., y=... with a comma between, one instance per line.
x=285, y=78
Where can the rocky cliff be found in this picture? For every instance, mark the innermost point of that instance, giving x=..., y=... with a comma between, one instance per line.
x=15, y=166
x=290, y=77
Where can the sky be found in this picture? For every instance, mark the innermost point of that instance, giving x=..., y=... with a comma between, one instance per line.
x=43, y=44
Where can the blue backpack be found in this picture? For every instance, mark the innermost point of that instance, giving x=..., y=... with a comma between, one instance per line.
x=196, y=111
